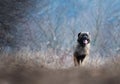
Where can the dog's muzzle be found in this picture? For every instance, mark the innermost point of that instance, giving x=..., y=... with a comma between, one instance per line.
x=85, y=40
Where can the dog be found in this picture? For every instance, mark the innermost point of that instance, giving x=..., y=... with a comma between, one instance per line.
x=82, y=49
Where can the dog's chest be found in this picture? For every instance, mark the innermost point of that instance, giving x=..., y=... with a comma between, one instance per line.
x=83, y=50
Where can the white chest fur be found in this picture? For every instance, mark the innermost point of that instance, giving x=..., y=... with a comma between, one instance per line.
x=83, y=50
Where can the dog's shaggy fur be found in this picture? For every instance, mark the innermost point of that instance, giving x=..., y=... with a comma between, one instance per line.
x=82, y=49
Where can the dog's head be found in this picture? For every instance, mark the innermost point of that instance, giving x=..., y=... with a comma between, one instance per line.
x=83, y=38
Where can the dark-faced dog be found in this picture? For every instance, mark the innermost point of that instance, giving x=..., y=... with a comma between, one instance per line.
x=82, y=49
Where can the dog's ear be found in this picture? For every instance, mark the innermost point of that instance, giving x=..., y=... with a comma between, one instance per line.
x=89, y=33
x=79, y=34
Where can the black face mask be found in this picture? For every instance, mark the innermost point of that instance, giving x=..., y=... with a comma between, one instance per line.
x=83, y=40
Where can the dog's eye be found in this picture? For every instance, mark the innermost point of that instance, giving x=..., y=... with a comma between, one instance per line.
x=85, y=35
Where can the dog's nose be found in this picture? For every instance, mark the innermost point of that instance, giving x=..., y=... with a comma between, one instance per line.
x=85, y=37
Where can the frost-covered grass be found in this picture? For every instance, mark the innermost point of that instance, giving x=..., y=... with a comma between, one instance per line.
x=49, y=67
x=54, y=59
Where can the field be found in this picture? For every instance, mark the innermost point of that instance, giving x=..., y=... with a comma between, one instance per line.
x=24, y=68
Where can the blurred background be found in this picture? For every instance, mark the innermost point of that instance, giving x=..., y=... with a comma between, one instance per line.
x=51, y=26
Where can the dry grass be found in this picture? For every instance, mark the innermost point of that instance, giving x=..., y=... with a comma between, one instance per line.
x=25, y=67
